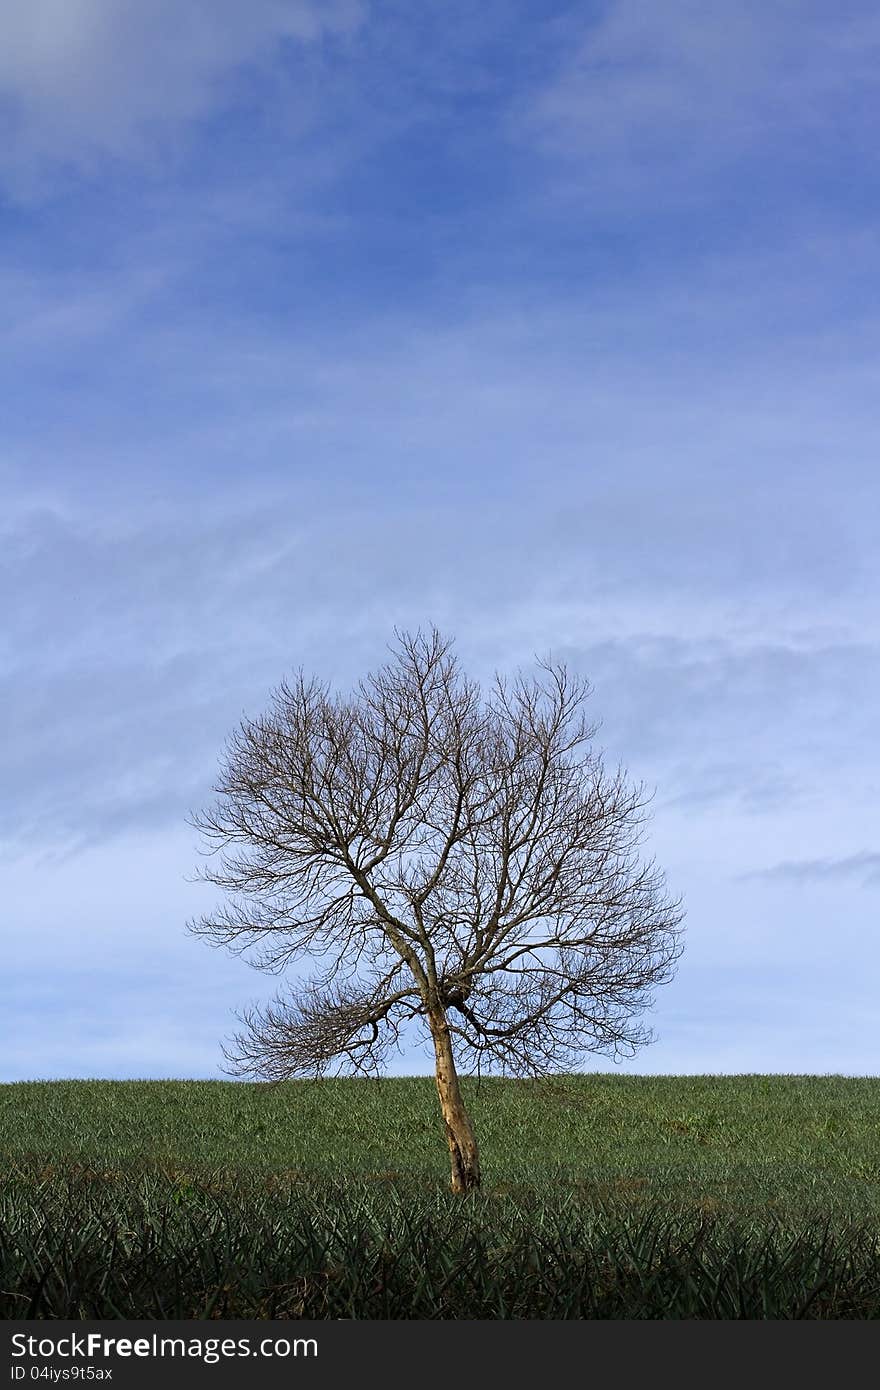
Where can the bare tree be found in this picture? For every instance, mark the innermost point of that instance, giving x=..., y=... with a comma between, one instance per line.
x=458, y=861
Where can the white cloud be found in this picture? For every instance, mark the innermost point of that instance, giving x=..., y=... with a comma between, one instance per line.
x=662, y=91
x=85, y=79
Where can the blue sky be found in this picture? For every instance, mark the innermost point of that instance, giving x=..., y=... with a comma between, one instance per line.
x=554, y=324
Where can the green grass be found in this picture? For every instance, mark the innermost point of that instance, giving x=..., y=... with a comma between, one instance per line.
x=781, y=1142
x=604, y=1196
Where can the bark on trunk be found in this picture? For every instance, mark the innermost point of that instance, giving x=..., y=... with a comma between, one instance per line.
x=463, y=1151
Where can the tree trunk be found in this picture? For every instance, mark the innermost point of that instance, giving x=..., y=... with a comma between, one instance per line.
x=459, y=1130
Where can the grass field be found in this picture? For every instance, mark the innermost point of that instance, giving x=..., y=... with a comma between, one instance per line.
x=604, y=1196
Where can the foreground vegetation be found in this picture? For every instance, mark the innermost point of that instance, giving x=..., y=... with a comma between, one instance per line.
x=604, y=1196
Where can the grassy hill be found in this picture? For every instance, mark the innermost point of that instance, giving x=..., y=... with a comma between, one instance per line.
x=604, y=1195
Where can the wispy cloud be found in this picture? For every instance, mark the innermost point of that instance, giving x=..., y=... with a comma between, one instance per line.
x=86, y=80
x=863, y=867
x=655, y=96
x=132, y=645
